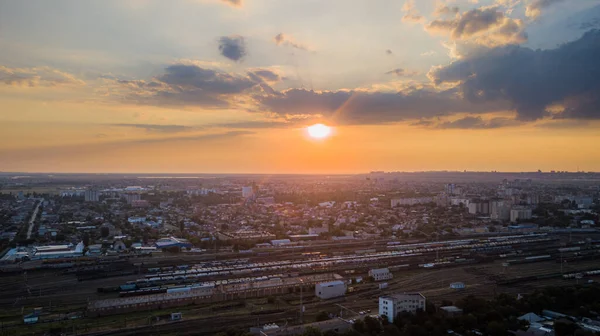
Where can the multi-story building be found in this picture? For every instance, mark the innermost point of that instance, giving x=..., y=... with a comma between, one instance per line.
x=391, y=305
x=131, y=197
x=500, y=210
x=247, y=192
x=521, y=213
x=411, y=201
x=92, y=195
x=380, y=274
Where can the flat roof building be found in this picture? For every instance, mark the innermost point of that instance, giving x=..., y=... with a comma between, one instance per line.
x=331, y=289
x=391, y=305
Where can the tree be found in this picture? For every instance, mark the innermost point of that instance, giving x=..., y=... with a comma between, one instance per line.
x=104, y=232
x=322, y=316
x=359, y=325
x=373, y=325
x=312, y=331
x=330, y=332
x=391, y=330
x=496, y=328
x=564, y=327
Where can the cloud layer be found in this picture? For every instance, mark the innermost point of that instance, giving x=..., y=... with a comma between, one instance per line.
x=534, y=8
x=487, y=26
x=37, y=76
x=533, y=80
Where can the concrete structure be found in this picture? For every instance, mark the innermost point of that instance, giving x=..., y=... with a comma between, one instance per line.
x=92, y=196
x=131, y=197
x=391, y=305
x=172, y=242
x=411, y=201
x=500, y=210
x=481, y=207
x=520, y=213
x=451, y=311
x=381, y=274
x=247, y=192
x=332, y=289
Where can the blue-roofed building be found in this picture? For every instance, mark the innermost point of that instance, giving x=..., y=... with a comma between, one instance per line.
x=170, y=242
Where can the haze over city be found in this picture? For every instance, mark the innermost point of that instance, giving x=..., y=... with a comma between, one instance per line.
x=208, y=86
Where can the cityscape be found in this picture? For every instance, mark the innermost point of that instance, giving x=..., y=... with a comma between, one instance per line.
x=300, y=167
x=289, y=254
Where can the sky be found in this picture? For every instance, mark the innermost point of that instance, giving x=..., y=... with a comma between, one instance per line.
x=229, y=86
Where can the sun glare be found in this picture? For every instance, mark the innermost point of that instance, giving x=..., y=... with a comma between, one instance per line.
x=319, y=131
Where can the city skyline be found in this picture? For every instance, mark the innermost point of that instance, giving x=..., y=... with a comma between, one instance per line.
x=230, y=86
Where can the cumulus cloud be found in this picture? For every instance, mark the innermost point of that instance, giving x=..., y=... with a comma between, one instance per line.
x=361, y=107
x=233, y=3
x=287, y=40
x=443, y=10
x=487, y=26
x=191, y=85
x=411, y=13
x=535, y=7
x=232, y=47
x=533, y=80
x=37, y=76
x=267, y=75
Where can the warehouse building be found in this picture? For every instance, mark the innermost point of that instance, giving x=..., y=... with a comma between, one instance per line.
x=391, y=305
x=332, y=289
x=380, y=274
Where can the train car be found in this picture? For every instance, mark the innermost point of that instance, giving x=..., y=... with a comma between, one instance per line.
x=146, y=291
x=178, y=290
x=128, y=287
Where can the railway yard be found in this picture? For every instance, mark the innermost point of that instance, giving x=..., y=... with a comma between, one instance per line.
x=127, y=296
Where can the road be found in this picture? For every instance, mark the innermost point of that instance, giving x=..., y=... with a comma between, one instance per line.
x=33, y=216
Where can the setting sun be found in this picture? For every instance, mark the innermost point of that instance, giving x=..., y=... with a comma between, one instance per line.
x=319, y=131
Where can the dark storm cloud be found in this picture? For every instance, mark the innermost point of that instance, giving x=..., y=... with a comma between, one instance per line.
x=360, y=107
x=232, y=47
x=533, y=80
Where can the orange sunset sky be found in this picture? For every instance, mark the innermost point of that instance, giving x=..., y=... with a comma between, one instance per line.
x=216, y=86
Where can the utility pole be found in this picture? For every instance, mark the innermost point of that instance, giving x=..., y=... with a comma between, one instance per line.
x=301, y=306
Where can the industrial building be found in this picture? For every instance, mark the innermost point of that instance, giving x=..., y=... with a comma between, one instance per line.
x=381, y=274
x=329, y=290
x=172, y=242
x=391, y=305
